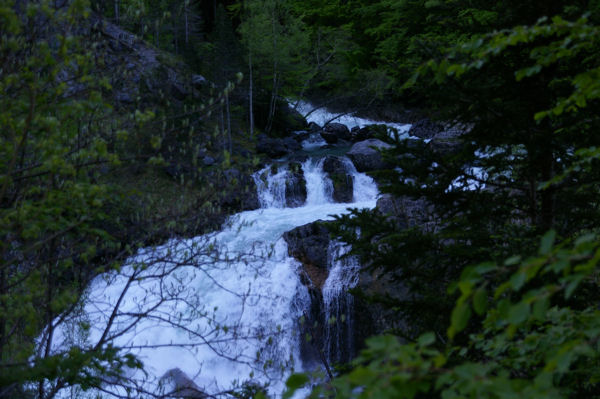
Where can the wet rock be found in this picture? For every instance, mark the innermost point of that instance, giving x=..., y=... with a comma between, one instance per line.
x=368, y=132
x=329, y=137
x=448, y=141
x=343, y=184
x=314, y=127
x=275, y=147
x=406, y=212
x=286, y=120
x=291, y=145
x=295, y=186
x=179, y=384
x=300, y=135
x=425, y=129
x=339, y=130
x=373, y=317
x=308, y=244
x=366, y=156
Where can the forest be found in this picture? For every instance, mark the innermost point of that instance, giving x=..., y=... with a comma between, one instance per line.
x=130, y=126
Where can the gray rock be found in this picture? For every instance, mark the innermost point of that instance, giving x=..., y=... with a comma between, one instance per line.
x=366, y=156
x=275, y=147
x=314, y=127
x=329, y=137
x=308, y=244
x=295, y=186
x=425, y=129
x=291, y=144
x=178, y=384
x=448, y=141
x=343, y=184
x=301, y=135
x=340, y=130
x=406, y=212
x=368, y=132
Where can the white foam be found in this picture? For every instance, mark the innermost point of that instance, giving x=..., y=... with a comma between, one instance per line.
x=322, y=116
x=223, y=307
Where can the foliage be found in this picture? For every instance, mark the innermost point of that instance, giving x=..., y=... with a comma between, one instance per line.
x=533, y=341
x=276, y=44
x=523, y=161
x=54, y=137
x=66, y=148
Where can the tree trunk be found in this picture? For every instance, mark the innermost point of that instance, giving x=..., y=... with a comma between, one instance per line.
x=185, y=13
x=273, y=101
x=250, y=95
x=547, y=196
x=222, y=125
x=228, y=122
x=272, y=104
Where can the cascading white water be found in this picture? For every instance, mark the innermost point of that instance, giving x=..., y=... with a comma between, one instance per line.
x=321, y=116
x=338, y=304
x=221, y=308
x=320, y=187
x=271, y=186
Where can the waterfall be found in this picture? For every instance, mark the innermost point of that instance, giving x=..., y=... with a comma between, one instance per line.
x=318, y=186
x=221, y=308
x=270, y=185
x=338, y=309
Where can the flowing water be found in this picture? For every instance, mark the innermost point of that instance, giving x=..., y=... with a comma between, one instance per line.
x=221, y=308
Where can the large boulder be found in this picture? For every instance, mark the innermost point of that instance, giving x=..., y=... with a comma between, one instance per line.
x=425, y=129
x=295, y=186
x=276, y=147
x=448, y=141
x=178, y=384
x=407, y=212
x=366, y=156
x=329, y=137
x=313, y=127
x=337, y=130
x=343, y=184
x=308, y=244
x=368, y=132
x=285, y=120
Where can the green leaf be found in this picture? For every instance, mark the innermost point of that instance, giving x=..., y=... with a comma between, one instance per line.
x=426, y=339
x=295, y=382
x=546, y=242
x=518, y=313
x=540, y=308
x=480, y=301
x=517, y=280
x=459, y=318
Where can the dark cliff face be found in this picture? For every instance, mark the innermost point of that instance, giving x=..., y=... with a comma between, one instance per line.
x=363, y=308
x=338, y=339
